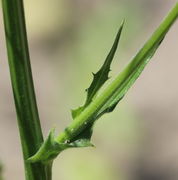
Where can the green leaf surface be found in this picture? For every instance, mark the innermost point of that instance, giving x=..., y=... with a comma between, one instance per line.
x=101, y=76
x=98, y=81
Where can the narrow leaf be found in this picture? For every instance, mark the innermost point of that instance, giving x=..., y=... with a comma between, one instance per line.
x=101, y=76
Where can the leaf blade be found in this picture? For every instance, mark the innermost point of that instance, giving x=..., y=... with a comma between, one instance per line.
x=101, y=76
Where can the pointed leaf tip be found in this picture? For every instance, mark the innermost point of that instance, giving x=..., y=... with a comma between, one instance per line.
x=101, y=76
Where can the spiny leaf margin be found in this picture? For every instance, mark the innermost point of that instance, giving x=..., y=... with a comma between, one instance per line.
x=103, y=101
x=101, y=76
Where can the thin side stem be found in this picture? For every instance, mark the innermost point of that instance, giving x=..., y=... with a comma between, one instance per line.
x=23, y=88
x=86, y=116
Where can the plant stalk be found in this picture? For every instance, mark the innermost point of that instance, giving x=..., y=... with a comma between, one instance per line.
x=1, y=171
x=23, y=88
x=85, y=117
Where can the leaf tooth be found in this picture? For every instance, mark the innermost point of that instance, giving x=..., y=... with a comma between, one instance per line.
x=99, y=79
x=102, y=75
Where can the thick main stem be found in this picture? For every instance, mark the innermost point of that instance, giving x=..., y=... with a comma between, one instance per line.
x=1, y=171
x=23, y=89
x=80, y=122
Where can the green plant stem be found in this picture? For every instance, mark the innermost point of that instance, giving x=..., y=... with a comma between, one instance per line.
x=85, y=117
x=23, y=89
x=1, y=171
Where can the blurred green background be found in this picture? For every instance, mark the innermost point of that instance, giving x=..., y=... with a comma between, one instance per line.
x=70, y=39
